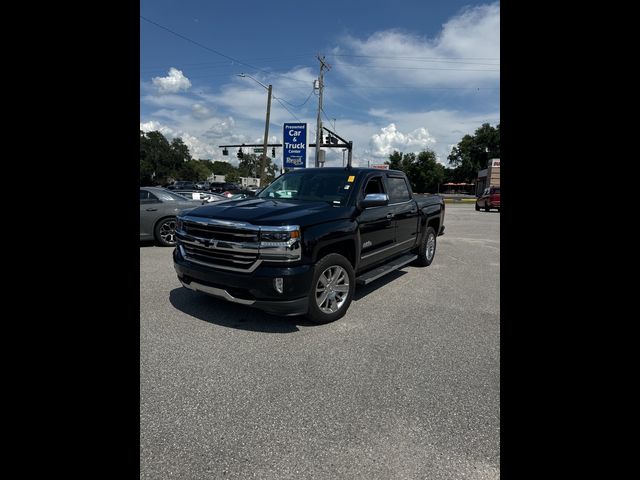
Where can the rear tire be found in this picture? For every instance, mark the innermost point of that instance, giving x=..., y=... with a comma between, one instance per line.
x=477, y=207
x=427, y=249
x=486, y=208
x=332, y=289
x=165, y=232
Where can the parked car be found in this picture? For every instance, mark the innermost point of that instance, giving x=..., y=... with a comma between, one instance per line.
x=489, y=199
x=304, y=242
x=182, y=185
x=203, y=185
x=239, y=194
x=220, y=187
x=158, y=210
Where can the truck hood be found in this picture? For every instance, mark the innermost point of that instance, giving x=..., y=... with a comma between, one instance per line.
x=262, y=211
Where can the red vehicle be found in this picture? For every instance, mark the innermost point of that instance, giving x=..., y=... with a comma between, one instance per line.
x=489, y=199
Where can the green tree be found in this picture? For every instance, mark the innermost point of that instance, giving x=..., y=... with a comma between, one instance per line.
x=425, y=173
x=193, y=170
x=474, y=151
x=222, y=168
x=180, y=151
x=232, y=177
x=423, y=170
x=157, y=161
x=249, y=166
x=400, y=161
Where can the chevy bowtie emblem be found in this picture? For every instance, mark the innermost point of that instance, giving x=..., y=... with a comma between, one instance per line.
x=208, y=243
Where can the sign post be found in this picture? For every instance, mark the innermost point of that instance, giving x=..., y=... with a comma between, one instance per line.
x=294, y=139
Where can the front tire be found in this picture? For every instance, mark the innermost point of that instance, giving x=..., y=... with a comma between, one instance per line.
x=332, y=289
x=427, y=249
x=165, y=232
x=486, y=207
x=477, y=207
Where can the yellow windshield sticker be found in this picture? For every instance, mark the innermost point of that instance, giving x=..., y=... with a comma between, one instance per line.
x=351, y=178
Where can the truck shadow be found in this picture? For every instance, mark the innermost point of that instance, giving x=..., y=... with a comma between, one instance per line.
x=231, y=315
x=364, y=290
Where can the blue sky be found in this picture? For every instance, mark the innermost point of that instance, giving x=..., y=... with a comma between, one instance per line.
x=405, y=75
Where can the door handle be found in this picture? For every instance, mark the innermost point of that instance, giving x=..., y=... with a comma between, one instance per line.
x=151, y=209
x=390, y=215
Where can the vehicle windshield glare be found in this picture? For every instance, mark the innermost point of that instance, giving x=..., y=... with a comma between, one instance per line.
x=314, y=186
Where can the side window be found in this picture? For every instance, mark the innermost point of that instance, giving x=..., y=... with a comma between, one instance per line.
x=147, y=197
x=398, y=191
x=374, y=185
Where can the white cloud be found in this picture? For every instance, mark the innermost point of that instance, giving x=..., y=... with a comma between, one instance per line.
x=198, y=148
x=152, y=126
x=172, y=83
x=465, y=54
x=390, y=139
x=200, y=111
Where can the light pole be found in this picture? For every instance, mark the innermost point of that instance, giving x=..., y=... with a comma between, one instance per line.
x=263, y=158
x=343, y=150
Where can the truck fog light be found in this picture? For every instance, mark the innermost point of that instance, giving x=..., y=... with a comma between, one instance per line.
x=278, y=284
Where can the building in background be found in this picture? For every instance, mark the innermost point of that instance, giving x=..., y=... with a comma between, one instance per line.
x=488, y=177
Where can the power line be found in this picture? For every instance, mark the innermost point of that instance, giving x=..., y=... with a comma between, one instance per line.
x=416, y=58
x=420, y=88
x=420, y=68
x=215, y=51
x=285, y=107
x=302, y=104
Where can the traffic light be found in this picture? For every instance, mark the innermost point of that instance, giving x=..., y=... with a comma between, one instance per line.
x=273, y=152
x=328, y=140
x=240, y=153
x=225, y=152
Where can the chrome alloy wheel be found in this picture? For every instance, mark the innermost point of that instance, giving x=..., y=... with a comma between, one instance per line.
x=168, y=231
x=332, y=289
x=431, y=246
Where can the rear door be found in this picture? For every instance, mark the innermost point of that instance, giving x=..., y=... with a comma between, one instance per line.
x=404, y=210
x=376, y=225
x=149, y=206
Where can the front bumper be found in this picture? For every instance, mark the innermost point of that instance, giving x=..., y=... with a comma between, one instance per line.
x=254, y=289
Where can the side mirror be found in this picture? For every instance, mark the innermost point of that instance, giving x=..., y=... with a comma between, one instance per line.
x=374, y=200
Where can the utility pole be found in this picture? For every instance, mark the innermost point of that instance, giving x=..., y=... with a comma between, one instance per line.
x=323, y=65
x=263, y=158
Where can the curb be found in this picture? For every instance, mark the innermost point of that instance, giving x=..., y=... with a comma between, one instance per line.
x=459, y=200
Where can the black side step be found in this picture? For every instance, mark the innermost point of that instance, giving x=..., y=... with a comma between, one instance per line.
x=376, y=273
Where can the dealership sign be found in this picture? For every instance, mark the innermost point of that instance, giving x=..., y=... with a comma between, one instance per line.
x=295, y=145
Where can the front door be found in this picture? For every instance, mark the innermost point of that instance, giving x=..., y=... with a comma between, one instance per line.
x=376, y=226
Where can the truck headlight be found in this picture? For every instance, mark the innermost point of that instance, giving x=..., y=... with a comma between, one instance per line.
x=280, y=243
x=279, y=235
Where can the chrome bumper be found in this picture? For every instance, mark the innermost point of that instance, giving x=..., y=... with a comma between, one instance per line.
x=216, y=292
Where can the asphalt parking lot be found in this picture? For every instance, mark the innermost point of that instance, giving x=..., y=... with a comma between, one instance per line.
x=405, y=386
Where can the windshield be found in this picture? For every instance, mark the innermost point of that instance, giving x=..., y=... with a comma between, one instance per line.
x=315, y=185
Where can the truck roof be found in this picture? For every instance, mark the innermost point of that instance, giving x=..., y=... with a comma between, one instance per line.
x=355, y=170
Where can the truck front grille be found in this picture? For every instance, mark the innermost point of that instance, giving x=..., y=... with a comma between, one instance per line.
x=219, y=232
x=211, y=257
x=220, y=244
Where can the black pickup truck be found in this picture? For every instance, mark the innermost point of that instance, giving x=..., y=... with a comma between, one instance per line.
x=300, y=246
